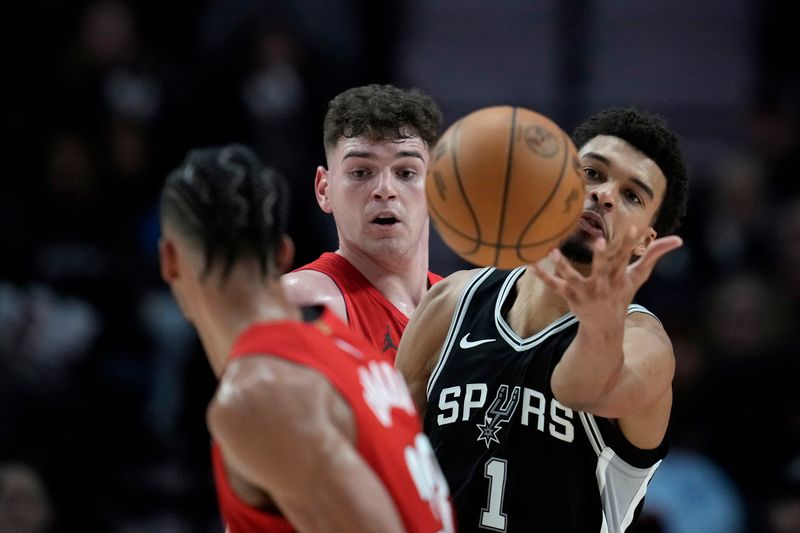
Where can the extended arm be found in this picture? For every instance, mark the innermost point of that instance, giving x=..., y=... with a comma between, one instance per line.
x=424, y=336
x=286, y=431
x=618, y=366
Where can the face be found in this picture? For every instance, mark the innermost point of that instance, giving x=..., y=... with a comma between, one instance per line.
x=376, y=192
x=624, y=188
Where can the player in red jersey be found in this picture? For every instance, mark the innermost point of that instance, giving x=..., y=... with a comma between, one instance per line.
x=377, y=144
x=313, y=429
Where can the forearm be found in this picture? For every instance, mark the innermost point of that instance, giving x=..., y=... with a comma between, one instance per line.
x=590, y=367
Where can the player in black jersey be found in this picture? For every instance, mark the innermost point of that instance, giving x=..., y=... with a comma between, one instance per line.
x=545, y=391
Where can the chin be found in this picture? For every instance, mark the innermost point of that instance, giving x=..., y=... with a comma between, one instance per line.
x=577, y=250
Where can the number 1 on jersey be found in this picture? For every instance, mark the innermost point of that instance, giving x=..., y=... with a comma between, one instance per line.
x=492, y=516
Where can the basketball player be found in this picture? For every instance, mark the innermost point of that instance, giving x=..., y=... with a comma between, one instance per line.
x=313, y=429
x=377, y=143
x=548, y=392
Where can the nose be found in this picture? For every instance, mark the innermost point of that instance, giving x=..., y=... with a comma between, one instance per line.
x=385, y=186
x=603, y=195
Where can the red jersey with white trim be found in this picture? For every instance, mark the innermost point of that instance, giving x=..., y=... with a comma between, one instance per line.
x=368, y=311
x=389, y=433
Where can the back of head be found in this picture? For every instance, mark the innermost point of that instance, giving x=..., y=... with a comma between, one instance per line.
x=382, y=112
x=651, y=135
x=226, y=203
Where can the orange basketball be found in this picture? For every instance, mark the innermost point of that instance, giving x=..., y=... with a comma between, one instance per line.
x=504, y=186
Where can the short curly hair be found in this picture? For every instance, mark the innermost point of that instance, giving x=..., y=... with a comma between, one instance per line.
x=382, y=112
x=651, y=135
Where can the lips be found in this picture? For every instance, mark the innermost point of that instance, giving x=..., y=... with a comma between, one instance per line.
x=385, y=218
x=592, y=223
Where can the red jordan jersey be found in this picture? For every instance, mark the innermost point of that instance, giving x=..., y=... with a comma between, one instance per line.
x=389, y=434
x=368, y=311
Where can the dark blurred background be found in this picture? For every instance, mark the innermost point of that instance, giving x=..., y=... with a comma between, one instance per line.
x=103, y=386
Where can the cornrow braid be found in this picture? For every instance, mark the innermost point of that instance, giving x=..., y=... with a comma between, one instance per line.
x=228, y=204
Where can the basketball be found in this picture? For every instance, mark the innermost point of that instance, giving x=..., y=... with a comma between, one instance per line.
x=504, y=186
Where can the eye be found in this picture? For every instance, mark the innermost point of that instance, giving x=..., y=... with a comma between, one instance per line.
x=592, y=174
x=407, y=174
x=359, y=173
x=631, y=196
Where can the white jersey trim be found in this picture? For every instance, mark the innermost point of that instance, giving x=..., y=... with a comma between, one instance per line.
x=509, y=335
x=455, y=325
x=621, y=486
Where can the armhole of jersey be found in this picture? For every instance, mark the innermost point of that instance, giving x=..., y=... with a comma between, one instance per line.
x=636, y=308
x=455, y=325
x=341, y=290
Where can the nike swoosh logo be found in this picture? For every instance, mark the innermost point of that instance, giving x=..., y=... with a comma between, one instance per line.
x=467, y=344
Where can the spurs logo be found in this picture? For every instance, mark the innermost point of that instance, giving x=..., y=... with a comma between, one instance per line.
x=500, y=411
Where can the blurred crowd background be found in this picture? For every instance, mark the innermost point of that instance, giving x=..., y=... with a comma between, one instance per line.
x=103, y=386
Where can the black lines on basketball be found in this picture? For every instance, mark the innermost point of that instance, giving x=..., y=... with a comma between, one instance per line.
x=506, y=182
x=564, y=159
x=509, y=190
x=457, y=172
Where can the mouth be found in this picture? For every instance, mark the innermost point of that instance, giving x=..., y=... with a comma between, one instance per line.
x=385, y=219
x=591, y=223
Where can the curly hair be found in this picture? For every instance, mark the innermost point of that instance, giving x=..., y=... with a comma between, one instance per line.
x=382, y=112
x=651, y=135
x=228, y=204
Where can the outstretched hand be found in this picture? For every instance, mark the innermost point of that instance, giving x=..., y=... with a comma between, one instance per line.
x=603, y=296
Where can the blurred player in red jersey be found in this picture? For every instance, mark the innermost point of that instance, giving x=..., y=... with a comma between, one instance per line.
x=313, y=429
x=377, y=143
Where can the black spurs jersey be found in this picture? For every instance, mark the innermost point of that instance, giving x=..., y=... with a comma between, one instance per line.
x=515, y=458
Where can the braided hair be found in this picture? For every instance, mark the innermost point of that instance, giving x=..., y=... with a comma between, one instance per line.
x=228, y=204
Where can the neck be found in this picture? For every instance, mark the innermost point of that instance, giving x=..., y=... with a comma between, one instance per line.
x=536, y=305
x=401, y=278
x=229, y=310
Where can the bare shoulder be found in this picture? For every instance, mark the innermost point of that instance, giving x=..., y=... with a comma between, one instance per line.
x=426, y=331
x=446, y=292
x=438, y=304
x=252, y=387
x=310, y=287
x=272, y=420
x=647, y=330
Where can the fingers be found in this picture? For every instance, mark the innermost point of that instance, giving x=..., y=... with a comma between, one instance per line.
x=564, y=278
x=554, y=283
x=611, y=264
x=611, y=268
x=643, y=267
x=565, y=270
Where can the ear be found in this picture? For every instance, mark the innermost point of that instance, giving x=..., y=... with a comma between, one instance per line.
x=321, y=189
x=168, y=260
x=644, y=241
x=285, y=254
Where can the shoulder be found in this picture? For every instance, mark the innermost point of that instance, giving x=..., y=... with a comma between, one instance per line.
x=440, y=301
x=642, y=322
x=648, y=349
x=310, y=287
x=273, y=420
x=252, y=387
x=426, y=332
x=447, y=291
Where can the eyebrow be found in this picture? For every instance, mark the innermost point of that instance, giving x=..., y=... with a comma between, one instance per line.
x=642, y=185
x=639, y=183
x=369, y=155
